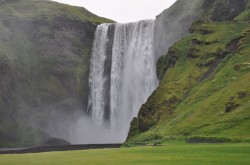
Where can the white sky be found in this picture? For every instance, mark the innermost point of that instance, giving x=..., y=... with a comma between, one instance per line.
x=123, y=10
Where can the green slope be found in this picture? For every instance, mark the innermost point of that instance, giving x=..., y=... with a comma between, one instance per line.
x=31, y=9
x=44, y=61
x=204, y=93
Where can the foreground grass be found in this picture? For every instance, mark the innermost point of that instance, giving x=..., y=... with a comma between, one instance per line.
x=170, y=154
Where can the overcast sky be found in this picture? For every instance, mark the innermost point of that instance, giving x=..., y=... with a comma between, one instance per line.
x=123, y=10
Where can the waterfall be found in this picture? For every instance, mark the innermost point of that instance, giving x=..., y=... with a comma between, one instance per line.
x=122, y=75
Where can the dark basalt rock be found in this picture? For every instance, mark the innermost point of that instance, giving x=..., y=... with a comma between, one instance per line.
x=242, y=95
x=233, y=45
x=55, y=142
x=224, y=10
x=231, y=106
x=193, y=52
x=166, y=62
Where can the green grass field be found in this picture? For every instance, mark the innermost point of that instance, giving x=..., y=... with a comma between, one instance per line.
x=171, y=154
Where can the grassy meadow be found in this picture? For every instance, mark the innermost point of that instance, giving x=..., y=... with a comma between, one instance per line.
x=170, y=154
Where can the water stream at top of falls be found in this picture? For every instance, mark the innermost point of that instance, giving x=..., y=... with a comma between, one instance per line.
x=122, y=75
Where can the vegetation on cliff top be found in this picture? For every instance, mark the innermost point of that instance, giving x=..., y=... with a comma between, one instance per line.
x=39, y=9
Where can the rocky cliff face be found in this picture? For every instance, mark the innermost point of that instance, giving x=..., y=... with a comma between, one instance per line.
x=174, y=23
x=44, y=64
x=204, y=91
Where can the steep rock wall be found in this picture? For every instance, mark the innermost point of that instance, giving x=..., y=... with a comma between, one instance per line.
x=44, y=59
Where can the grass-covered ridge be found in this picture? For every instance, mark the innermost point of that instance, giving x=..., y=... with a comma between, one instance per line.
x=171, y=154
x=204, y=92
x=31, y=9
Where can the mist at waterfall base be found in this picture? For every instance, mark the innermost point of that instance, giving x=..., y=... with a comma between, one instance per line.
x=122, y=77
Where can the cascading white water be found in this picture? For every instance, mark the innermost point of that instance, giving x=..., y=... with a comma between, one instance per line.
x=122, y=75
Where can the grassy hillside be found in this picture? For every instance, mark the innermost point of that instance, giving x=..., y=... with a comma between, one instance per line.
x=31, y=9
x=223, y=154
x=204, y=93
x=44, y=61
